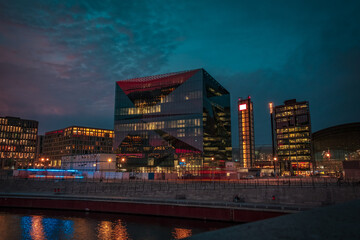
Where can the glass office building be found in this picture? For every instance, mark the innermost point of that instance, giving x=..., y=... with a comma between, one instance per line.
x=173, y=119
x=17, y=142
x=293, y=137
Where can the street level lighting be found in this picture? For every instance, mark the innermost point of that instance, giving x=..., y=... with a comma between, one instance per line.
x=109, y=160
x=271, y=107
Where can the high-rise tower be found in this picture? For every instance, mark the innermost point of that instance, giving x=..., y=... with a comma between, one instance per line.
x=246, y=132
x=293, y=137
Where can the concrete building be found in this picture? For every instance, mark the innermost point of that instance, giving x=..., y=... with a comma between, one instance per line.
x=246, y=133
x=90, y=162
x=76, y=140
x=293, y=137
x=17, y=142
x=172, y=120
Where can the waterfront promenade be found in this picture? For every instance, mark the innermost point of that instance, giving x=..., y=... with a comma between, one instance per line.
x=307, y=192
x=244, y=200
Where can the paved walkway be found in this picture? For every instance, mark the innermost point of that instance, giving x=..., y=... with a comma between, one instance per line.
x=341, y=221
x=260, y=206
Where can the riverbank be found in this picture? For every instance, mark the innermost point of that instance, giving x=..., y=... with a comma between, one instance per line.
x=305, y=192
x=206, y=210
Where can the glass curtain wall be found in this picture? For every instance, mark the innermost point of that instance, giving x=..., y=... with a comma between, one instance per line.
x=172, y=120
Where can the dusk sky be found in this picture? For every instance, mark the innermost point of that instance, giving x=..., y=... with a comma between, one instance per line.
x=59, y=60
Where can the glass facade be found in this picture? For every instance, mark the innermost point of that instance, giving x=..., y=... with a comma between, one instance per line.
x=172, y=119
x=293, y=137
x=17, y=142
x=246, y=133
x=76, y=141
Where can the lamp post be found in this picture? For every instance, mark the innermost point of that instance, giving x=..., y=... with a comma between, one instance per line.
x=109, y=160
x=122, y=161
x=271, y=107
x=183, y=163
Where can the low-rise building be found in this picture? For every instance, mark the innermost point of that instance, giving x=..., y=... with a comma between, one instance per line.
x=76, y=140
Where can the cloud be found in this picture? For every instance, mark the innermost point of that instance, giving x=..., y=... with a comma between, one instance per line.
x=63, y=58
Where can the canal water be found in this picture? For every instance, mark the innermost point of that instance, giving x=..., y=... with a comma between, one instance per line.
x=51, y=224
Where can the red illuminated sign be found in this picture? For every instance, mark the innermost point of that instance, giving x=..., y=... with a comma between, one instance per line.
x=242, y=107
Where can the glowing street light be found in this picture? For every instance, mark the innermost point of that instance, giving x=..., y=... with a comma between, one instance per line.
x=109, y=160
x=271, y=107
x=122, y=159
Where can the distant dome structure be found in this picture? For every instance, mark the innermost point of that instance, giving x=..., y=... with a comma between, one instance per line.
x=341, y=142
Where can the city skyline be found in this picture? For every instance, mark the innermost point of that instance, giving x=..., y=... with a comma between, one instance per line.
x=59, y=62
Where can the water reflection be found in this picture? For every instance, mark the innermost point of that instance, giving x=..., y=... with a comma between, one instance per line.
x=112, y=230
x=180, y=233
x=37, y=229
x=120, y=231
x=47, y=224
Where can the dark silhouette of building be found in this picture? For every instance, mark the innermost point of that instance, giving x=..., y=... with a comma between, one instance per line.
x=172, y=120
x=341, y=142
x=246, y=132
x=39, y=146
x=17, y=142
x=76, y=140
x=333, y=145
x=293, y=137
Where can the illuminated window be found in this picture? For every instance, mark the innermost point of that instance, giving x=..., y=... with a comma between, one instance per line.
x=242, y=107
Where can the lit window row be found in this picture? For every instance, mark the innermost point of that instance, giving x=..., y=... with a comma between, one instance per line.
x=17, y=141
x=92, y=130
x=16, y=129
x=17, y=155
x=295, y=146
x=293, y=129
x=299, y=140
x=289, y=108
x=139, y=110
x=158, y=125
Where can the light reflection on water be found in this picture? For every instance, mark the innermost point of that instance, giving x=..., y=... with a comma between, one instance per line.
x=41, y=225
x=180, y=233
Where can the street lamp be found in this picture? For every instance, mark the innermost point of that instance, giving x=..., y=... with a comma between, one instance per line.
x=271, y=107
x=109, y=160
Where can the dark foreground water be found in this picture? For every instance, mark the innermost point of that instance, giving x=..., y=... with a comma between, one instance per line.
x=49, y=224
